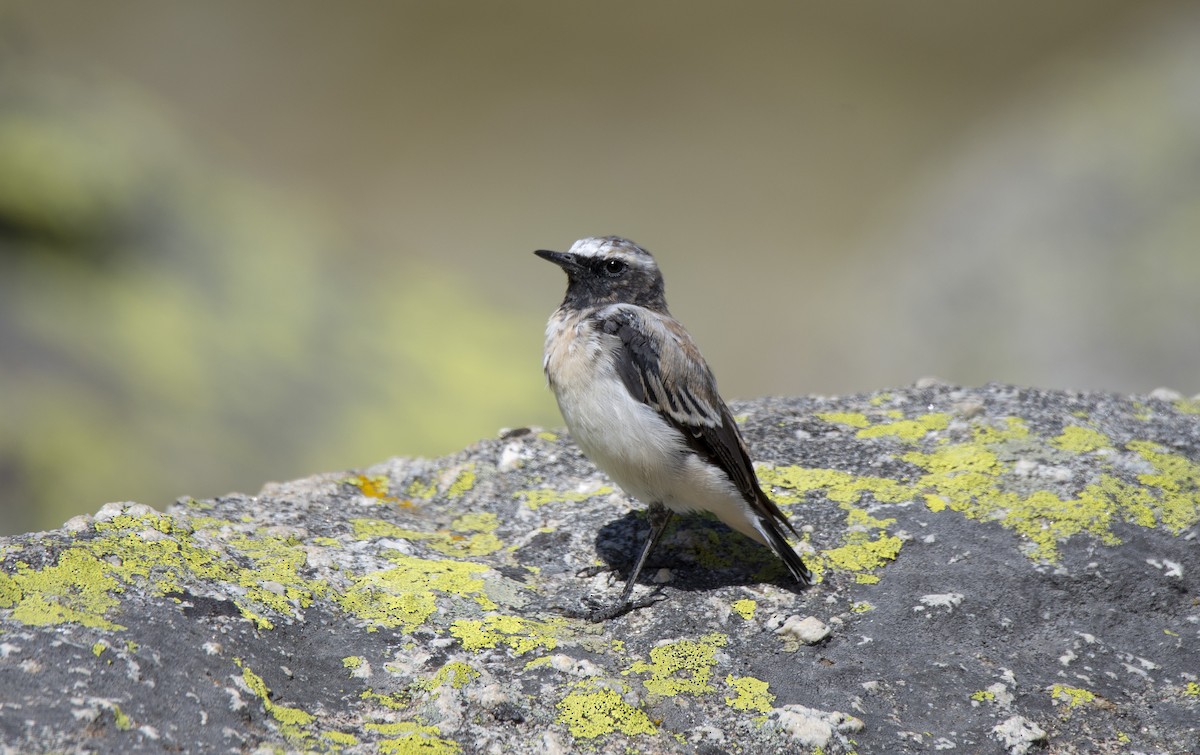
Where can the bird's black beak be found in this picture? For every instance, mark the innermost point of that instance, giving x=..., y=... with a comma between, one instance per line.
x=567, y=261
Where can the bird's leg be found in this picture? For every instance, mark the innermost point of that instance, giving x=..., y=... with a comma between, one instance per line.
x=660, y=517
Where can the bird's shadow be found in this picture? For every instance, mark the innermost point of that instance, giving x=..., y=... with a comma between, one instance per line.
x=700, y=551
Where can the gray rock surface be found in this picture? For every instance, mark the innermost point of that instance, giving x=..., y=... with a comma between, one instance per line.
x=1001, y=570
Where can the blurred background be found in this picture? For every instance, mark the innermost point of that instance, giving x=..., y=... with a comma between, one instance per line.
x=252, y=241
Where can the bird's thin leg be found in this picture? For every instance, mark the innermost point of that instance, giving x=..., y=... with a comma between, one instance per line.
x=660, y=517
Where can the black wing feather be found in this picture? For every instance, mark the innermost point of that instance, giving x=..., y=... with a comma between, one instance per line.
x=704, y=421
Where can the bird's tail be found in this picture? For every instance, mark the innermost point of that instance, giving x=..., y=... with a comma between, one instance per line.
x=774, y=536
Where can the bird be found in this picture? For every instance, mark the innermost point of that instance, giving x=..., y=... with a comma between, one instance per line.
x=642, y=404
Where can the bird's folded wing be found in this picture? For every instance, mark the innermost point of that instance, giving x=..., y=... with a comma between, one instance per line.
x=661, y=367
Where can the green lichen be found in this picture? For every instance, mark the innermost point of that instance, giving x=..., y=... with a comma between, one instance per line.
x=1072, y=696
x=353, y=662
x=865, y=556
x=394, y=701
x=542, y=496
x=591, y=714
x=970, y=478
x=1080, y=440
x=910, y=430
x=751, y=694
x=121, y=719
x=420, y=489
x=286, y=715
x=98, y=648
x=1188, y=406
x=861, y=606
x=77, y=589
x=521, y=635
x=1178, y=481
x=853, y=419
x=462, y=483
x=481, y=522
x=415, y=740
x=983, y=695
x=339, y=739
x=681, y=667
x=10, y=591
x=455, y=673
x=407, y=594
x=745, y=608
x=840, y=487
x=451, y=542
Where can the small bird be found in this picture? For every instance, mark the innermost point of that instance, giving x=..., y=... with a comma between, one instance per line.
x=642, y=404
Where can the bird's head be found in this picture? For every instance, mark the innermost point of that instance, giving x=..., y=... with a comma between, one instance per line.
x=609, y=270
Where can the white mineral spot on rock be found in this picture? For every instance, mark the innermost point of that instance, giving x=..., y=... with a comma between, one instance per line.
x=110, y=510
x=1018, y=734
x=809, y=630
x=1000, y=693
x=1165, y=394
x=81, y=523
x=662, y=576
x=573, y=666
x=942, y=600
x=814, y=728
x=512, y=457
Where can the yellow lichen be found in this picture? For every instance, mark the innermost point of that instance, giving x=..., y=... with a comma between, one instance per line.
x=1188, y=405
x=1080, y=439
x=406, y=595
x=839, y=487
x=284, y=714
x=522, y=635
x=464, y=482
x=745, y=608
x=77, y=589
x=853, y=419
x=589, y=714
x=121, y=719
x=542, y=496
x=339, y=738
x=910, y=430
x=455, y=673
x=1072, y=696
x=751, y=694
x=415, y=739
x=395, y=701
x=681, y=667
x=866, y=555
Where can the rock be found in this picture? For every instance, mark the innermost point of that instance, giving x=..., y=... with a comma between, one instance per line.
x=965, y=600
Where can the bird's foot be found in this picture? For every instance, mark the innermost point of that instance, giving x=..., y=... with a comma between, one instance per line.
x=597, y=614
x=591, y=571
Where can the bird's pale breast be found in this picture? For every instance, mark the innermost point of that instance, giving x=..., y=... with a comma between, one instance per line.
x=627, y=439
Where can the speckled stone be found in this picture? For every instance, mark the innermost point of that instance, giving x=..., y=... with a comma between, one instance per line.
x=1000, y=570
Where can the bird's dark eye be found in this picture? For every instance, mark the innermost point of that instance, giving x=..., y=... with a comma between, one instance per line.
x=614, y=267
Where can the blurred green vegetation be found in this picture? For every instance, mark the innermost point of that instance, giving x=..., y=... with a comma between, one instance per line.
x=252, y=241
x=167, y=328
